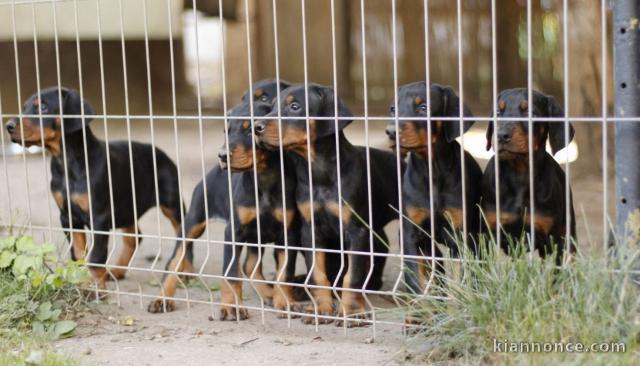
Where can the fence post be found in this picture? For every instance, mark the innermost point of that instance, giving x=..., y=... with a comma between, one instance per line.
x=626, y=20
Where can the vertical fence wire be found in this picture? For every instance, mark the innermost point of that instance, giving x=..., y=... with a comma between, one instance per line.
x=47, y=188
x=285, y=226
x=310, y=285
x=605, y=140
x=174, y=106
x=205, y=193
x=532, y=196
x=19, y=100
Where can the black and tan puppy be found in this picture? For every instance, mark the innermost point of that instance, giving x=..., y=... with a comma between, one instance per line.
x=446, y=166
x=90, y=200
x=243, y=228
x=326, y=207
x=265, y=91
x=512, y=151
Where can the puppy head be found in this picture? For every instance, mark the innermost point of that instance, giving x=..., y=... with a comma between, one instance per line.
x=240, y=138
x=513, y=135
x=412, y=103
x=51, y=103
x=293, y=106
x=265, y=91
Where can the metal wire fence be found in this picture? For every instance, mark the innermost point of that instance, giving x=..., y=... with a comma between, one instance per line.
x=318, y=195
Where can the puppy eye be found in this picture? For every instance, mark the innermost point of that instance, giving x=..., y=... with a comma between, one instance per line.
x=264, y=98
x=422, y=107
x=392, y=110
x=44, y=108
x=294, y=106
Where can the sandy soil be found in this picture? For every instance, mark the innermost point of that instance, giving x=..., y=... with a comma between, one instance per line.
x=187, y=336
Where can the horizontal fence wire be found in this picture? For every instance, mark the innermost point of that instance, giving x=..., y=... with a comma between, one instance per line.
x=168, y=131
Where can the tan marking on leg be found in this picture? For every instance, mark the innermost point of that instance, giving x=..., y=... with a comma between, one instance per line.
x=79, y=245
x=352, y=301
x=177, y=264
x=280, y=216
x=305, y=209
x=168, y=213
x=334, y=208
x=229, y=291
x=59, y=198
x=322, y=296
x=423, y=272
x=417, y=214
x=246, y=214
x=283, y=294
x=454, y=216
x=81, y=200
x=99, y=275
x=542, y=223
x=129, y=246
x=252, y=264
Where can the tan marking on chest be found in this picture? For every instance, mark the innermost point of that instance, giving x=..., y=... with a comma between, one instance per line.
x=81, y=200
x=333, y=208
x=417, y=214
x=246, y=214
x=505, y=218
x=279, y=215
x=59, y=198
x=541, y=223
x=305, y=209
x=454, y=216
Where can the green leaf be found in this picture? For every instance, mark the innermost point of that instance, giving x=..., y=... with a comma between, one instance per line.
x=38, y=329
x=37, y=279
x=22, y=264
x=44, y=312
x=25, y=244
x=7, y=242
x=48, y=248
x=64, y=327
x=6, y=258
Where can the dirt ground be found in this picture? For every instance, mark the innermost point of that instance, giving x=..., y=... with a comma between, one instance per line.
x=121, y=332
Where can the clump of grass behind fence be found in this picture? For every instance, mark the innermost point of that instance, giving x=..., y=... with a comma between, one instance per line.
x=522, y=298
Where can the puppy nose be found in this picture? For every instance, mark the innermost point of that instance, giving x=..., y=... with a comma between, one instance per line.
x=259, y=127
x=504, y=137
x=391, y=132
x=222, y=155
x=11, y=126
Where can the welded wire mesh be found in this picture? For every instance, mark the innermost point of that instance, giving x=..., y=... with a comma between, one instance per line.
x=74, y=44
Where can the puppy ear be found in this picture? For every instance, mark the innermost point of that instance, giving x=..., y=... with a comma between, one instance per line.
x=72, y=105
x=489, y=135
x=556, y=128
x=327, y=96
x=284, y=84
x=451, y=108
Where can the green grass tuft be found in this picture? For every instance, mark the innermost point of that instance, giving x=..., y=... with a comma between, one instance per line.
x=522, y=298
x=38, y=296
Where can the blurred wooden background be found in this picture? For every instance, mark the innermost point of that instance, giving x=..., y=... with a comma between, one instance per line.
x=584, y=52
